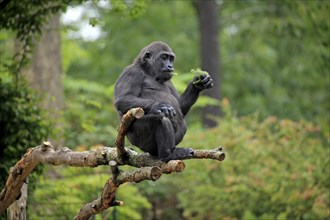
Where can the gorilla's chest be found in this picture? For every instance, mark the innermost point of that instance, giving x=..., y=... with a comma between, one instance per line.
x=151, y=89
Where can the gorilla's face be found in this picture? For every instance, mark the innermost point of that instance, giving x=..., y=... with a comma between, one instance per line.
x=165, y=62
x=158, y=61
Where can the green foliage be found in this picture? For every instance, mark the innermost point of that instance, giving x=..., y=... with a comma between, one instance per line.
x=129, y=9
x=89, y=113
x=62, y=198
x=26, y=19
x=276, y=58
x=274, y=169
x=198, y=72
x=23, y=124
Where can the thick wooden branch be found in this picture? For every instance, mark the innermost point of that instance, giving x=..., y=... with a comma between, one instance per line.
x=126, y=121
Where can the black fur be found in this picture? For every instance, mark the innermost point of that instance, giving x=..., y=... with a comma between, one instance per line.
x=147, y=84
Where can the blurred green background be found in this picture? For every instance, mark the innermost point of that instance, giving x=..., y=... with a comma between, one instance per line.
x=274, y=127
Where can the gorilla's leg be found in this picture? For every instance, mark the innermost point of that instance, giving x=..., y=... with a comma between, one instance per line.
x=165, y=139
x=155, y=135
x=141, y=134
x=179, y=134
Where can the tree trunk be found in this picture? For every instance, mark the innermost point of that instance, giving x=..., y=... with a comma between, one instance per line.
x=207, y=13
x=17, y=210
x=44, y=73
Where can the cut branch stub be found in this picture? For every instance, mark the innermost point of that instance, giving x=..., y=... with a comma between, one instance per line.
x=173, y=166
x=127, y=119
x=114, y=168
x=215, y=154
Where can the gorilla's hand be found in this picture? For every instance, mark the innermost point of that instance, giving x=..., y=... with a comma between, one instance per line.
x=203, y=81
x=164, y=110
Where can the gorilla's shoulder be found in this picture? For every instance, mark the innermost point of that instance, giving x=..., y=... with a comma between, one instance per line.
x=132, y=73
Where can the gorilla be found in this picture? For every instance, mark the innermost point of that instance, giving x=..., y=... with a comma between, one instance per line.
x=147, y=84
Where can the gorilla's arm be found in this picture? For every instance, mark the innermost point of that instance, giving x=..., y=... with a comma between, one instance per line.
x=128, y=89
x=188, y=98
x=190, y=95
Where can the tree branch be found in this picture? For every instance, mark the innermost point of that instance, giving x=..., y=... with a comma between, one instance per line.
x=108, y=196
x=46, y=154
x=215, y=154
x=126, y=121
x=149, y=168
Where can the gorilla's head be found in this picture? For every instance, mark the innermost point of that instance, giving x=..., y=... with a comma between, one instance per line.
x=157, y=60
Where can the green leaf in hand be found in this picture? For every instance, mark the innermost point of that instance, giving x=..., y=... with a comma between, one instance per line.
x=198, y=73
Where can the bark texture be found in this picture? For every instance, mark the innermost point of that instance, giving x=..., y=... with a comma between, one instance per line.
x=17, y=210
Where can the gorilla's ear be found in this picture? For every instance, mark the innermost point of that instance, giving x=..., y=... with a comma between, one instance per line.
x=146, y=56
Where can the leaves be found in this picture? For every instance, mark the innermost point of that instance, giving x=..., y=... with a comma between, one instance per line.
x=23, y=124
x=276, y=66
x=89, y=114
x=64, y=197
x=198, y=72
x=274, y=168
x=26, y=20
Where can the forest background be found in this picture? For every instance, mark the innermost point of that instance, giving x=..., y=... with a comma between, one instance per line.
x=274, y=127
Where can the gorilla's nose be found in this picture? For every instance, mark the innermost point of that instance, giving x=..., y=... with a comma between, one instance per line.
x=169, y=68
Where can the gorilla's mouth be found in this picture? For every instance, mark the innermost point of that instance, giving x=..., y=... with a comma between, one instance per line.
x=167, y=75
x=168, y=70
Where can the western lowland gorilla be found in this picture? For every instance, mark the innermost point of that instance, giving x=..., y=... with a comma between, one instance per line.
x=147, y=84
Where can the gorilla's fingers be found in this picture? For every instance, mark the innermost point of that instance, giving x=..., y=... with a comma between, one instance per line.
x=174, y=112
x=205, y=79
x=160, y=113
x=171, y=111
x=209, y=84
x=170, y=114
x=165, y=111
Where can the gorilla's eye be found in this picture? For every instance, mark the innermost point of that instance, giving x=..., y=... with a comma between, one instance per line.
x=171, y=58
x=164, y=56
